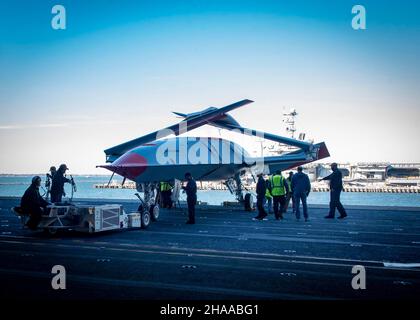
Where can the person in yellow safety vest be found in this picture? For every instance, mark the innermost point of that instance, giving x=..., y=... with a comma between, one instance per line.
x=166, y=192
x=268, y=197
x=279, y=189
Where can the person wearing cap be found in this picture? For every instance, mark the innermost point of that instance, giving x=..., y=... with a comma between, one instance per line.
x=58, y=181
x=336, y=186
x=33, y=204
x=191, y=191
x=53, y=171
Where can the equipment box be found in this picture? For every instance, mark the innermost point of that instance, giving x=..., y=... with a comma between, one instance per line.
x=134, y=220
x=107, y=217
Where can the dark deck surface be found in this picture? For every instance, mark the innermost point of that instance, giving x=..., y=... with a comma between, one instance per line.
x=225, y=255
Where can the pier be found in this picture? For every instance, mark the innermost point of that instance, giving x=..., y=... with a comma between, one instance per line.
x=372, y=189
x=315, y=187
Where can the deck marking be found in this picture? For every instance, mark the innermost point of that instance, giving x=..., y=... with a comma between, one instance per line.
x=404, y=283
x=328, y=261
x=208, y=252
x=164, y=285
x=401, y=265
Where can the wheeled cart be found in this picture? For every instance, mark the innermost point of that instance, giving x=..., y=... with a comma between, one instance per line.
x=91, y=218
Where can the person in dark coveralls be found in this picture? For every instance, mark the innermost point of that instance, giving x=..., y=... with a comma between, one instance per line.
x=57, y=185
x=33, y=204
x=336, y=186
x=191, y=190
x=261, y=189
x=289, y=196
x=301, y=187
x=50, y=176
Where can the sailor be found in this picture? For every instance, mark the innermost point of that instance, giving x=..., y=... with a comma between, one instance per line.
x=268, y=197
x=279, y=189
x=57, y=186
x=191, y=190
x=166, y=192
x=289, y=195
x=261, y=189
x=301, y=188
x=336, y=186
x=33, y=204
x=50, y=176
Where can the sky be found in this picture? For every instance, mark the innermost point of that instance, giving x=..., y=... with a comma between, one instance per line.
x=120, y=67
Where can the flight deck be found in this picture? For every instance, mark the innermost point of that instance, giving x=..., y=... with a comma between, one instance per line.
x=225, y=255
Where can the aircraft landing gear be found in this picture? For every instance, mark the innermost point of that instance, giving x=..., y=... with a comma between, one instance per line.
x=148, y=207
x=145, y=219
x=249, y=202
x=235, y=187
x=154, y=212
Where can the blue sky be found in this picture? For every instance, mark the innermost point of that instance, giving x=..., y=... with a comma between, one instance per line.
x=120, y=67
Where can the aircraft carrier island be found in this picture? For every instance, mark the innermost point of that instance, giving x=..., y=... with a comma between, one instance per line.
x=373, y=254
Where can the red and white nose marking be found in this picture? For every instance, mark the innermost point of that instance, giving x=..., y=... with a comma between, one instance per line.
x=129, y=165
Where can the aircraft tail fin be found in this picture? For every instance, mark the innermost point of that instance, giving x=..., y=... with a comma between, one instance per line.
x=196, y=121
x=182, y=115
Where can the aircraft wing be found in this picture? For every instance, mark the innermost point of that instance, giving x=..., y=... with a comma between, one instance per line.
x=297, y=158
x=189, y=123
x=292, y=142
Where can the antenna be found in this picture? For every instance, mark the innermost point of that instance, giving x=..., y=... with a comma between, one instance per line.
x=289, y=118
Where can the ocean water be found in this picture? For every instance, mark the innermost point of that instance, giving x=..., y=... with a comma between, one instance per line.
x=16, y=185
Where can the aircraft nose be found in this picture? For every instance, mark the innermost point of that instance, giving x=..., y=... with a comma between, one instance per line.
x=129, y=165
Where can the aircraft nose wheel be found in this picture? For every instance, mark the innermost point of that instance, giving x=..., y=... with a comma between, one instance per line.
x=51, y=231
x=249, y=202
x=145, y=219
x=154, y=212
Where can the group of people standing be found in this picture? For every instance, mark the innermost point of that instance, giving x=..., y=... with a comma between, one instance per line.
x=55, y=183
x=276, y=192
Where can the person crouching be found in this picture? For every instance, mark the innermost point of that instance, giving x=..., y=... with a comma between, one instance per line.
x=33, y=204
